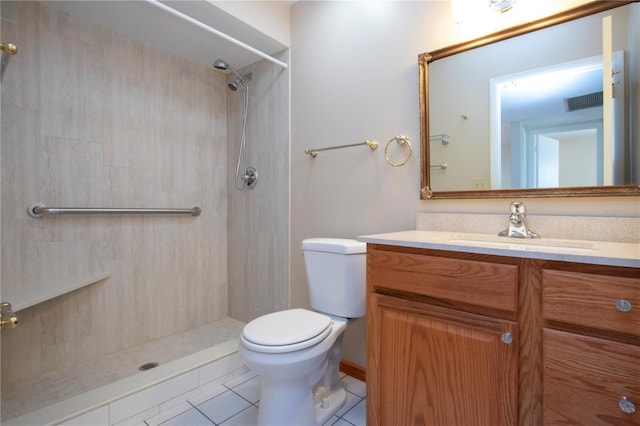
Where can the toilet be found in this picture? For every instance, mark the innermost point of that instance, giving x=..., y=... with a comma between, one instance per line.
x=297, y=352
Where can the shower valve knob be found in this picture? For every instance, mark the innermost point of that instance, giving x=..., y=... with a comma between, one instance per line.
x=250, y=177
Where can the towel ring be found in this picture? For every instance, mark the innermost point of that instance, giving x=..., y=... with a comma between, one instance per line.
x=400, y=140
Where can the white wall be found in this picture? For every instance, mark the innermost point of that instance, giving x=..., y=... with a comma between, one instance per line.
x=270, y=17
x=575, y=154
x=355, y=77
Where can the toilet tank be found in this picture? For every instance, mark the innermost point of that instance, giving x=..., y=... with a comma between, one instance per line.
x=336, y=273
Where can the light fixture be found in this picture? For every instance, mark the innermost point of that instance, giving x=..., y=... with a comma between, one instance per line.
x=501, y=5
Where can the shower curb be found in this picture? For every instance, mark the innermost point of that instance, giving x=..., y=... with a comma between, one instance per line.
x=123, y=399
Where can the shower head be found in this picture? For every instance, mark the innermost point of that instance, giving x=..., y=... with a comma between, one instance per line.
x=221, y=64
x=240, y=80
x=234, y=84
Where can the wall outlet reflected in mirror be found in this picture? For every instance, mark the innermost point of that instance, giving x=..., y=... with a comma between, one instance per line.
x=480, y=183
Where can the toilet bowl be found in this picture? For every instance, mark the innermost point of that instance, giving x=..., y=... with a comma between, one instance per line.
x=294, y=384
x=297, y=352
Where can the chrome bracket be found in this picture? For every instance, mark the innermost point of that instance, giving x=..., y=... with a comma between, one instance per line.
x=250, y=177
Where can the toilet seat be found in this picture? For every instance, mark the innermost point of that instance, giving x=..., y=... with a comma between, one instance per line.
x=286, y=331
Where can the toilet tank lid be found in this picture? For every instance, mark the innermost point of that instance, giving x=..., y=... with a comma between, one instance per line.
x=334, y=245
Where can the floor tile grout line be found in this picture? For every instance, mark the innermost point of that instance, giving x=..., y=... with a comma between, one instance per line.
x=241, y=411
x=238, y=384
x=254, y=404
x=349, y=410
x=146, y=422
x=231, y=390
x=207, y=417
x=233, y=415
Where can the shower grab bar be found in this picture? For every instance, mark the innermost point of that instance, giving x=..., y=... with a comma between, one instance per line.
x=38, y=210
x=314, y=152
x=216, y=32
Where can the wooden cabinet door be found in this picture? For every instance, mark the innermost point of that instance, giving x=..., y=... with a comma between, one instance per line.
x=586, y=378
x=435, y=366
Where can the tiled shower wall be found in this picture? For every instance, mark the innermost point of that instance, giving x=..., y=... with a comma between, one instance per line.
x=259, y=218
x=92, y=118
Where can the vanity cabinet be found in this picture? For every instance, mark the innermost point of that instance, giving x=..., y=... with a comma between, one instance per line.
x=442, y=340
x=456, y=338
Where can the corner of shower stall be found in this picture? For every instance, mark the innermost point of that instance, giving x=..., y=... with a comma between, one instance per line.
x=91, y=117
x=139, y=381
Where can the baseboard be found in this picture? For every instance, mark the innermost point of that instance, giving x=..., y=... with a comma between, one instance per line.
x=353, y=370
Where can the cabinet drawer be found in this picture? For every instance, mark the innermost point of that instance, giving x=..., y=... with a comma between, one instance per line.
x=485, y=284
x=591, y=300
x=585, y=379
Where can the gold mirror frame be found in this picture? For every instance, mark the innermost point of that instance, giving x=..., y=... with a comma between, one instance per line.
x=425, y=59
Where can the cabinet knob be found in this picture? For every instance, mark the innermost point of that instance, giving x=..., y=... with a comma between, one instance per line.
x=626, y=405
x=506, y=338
x=623, y=305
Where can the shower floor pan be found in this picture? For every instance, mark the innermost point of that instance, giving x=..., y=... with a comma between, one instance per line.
x=60, y=395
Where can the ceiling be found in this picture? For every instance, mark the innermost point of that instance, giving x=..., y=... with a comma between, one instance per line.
x=151, y=25
x=543, y=92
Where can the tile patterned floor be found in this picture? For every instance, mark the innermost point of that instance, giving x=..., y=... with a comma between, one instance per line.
x=236, y=403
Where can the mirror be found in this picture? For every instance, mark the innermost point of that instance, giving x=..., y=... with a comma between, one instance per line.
x=479, y=138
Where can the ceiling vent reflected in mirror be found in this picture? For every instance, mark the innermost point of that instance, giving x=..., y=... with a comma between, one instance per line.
x=583, y=102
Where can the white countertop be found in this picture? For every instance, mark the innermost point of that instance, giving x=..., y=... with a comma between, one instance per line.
x=580, y=251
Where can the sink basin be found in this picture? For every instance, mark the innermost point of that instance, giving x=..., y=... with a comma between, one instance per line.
x=485, y=240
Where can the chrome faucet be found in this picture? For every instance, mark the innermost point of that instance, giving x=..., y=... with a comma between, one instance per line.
x=517, y=224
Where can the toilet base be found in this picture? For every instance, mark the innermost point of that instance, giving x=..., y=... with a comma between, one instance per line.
x=273, y=413
x=336, y=401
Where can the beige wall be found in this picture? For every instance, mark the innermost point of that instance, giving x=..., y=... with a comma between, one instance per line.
x=355, y=77
x=259, y=218
x=91, y=118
